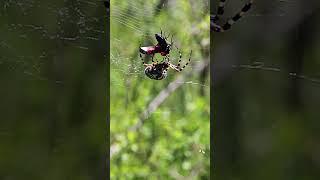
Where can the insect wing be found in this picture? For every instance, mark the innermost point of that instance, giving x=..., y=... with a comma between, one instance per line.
x=147, y=50
x=161, y=40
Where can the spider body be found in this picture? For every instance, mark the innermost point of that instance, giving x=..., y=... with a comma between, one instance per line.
x=158, y=70
x=163, y=47
x=214, y=19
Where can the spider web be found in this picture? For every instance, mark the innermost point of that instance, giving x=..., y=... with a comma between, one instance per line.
x=22, y=26
x=91, y=30
x=133, y=23
x=137, y=18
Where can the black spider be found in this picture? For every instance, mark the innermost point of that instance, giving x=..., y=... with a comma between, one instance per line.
x=158, y=70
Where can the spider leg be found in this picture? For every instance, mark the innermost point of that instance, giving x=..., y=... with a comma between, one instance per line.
x=142, y=59
x=180, y=69
x=215, y=18
x=152, y=58
x=167, y=36
x=171, y=41
x=220, y=9
x=164, y=72
x=174, y=67
x=235, y=18
x=167, y=57
x=215, y=27
x=180, y=57
x=214, y=23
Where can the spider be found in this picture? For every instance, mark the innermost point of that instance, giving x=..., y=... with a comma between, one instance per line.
x=215, y=18
x=163, y=47
x=158, y=70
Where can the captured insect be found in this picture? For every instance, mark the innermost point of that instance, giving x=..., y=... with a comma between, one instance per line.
x=158, y=70
x=214, y=26
x=163, y=47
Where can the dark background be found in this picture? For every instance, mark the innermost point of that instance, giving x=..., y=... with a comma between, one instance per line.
x=53, y=82
x=266, y=93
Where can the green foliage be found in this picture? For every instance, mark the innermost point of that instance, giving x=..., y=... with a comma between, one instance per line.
x=174, y=140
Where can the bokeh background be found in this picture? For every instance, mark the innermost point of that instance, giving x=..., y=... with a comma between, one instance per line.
x=53, y=81
x=159, y=129
x=266, y=91
x=265, y=86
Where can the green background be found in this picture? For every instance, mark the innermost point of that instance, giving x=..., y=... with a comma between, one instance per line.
x=174, y=140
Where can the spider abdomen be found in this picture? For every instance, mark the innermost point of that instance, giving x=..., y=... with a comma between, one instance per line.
x=156, y=71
